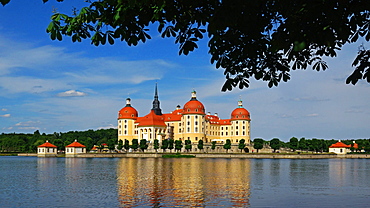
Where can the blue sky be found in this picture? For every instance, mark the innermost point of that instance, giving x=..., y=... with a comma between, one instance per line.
x=60, y=86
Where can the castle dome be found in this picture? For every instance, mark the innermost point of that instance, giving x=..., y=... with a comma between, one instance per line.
x=127, y=112
x=194, y=106
x=240, y=113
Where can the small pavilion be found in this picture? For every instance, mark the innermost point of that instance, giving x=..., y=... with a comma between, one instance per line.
x=341, y=148
x=75, y=148
x=47, y=150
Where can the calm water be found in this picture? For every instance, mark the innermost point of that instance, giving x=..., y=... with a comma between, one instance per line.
x=186, y=182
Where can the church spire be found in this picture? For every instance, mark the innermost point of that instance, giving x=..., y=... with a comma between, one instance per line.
x=156, y=104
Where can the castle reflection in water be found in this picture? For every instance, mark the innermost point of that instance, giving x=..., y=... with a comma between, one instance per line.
x=159, y=182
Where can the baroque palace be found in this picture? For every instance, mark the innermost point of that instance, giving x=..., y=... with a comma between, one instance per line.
x=190, y=122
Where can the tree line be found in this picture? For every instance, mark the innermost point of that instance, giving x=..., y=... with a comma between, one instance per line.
x=20, y=142
x=312, y=145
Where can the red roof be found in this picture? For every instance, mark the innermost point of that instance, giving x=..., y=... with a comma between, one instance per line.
x=75, y=144
x=213, y=119
x=342, y=145
x=151, y=119
x=193, y=107
x=240, y=114
x=225, y=121
x=47, y=144
x=127, y=112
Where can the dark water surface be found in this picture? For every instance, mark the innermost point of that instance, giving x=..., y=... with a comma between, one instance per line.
x=183, y=182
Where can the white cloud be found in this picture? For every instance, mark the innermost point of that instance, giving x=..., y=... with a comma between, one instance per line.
x=313, y=115
x=72, y=93
x=5, y=115
x=28, y=125
x=4, y=109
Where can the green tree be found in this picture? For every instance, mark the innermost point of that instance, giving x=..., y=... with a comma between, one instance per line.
x=170, y=144
x=241, y=145
x=258, y=144
x=275, y=144
x=156, y=145
x=111, y=145
x=261, y=39
x=143, y=145
x=178, y=145
x=59, y=143
x=213, y=147
x=188, y=145
x=315, y=145
x=293, y=144
x=227, y=145
x=135, y=144
x=126, y=145
x=120, y=145
x=164, y=145
x=302, y=145
x=200, y=144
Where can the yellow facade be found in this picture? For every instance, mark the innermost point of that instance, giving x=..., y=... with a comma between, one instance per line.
x=187, y=123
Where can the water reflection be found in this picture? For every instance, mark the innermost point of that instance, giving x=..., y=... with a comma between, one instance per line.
x=158, y=182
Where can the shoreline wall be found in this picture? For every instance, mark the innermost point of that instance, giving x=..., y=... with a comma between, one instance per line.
x=208, y=155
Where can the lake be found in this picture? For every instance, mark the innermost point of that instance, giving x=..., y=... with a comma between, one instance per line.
x=183, y=182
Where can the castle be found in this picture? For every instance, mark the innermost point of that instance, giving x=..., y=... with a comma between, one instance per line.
x=188, y=123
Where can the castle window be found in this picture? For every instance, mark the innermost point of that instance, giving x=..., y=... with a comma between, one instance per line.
x=196, y=138
x=196, y=129
x=125, y=132
x=196, y=117
x=196, y=123
x=125, y=121
x=236, y=133
x=196, y=110
x=188, y=129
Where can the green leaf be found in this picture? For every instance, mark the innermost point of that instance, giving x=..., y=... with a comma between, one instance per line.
x=4, y=2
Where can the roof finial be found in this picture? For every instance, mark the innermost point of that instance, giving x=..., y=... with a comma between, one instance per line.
x=240, y=102
x=193, y=95
x=128, y=102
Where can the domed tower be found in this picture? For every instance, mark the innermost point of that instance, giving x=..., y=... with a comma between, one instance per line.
x=240, y=124
x=126, y=121
x=193, y=120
